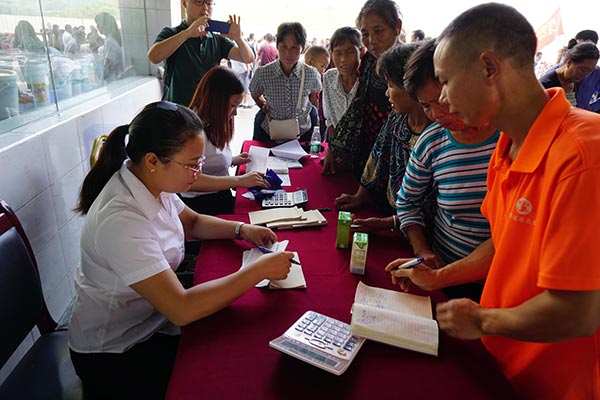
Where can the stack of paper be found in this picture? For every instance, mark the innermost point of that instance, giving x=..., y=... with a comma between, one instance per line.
x=287, y=218
x=263, y=217
x=286, y=157
x=291, y=150
x=294, y=280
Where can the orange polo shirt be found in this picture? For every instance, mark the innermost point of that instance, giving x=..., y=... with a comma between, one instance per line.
x=544, y=213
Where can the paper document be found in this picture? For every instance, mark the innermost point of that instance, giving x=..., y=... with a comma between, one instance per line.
x=278, y=165
x=295, y=278
x=259, y=157
x=291, y=150
x=309, y=218
x=275, y=214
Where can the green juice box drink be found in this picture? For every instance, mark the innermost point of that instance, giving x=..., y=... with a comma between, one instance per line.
x=342, y=240
x=358, y=258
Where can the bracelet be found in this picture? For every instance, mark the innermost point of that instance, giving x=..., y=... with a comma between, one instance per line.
x=395, y=219
x=238, y=230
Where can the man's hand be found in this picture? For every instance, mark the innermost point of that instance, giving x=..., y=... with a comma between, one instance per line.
x=198, y=28
x=235, y=30
x=460, y=318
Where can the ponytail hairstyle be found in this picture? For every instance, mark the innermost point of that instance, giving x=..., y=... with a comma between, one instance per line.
x=162, y=128
x=211, y=103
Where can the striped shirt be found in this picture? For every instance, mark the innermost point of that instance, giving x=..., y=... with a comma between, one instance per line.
x=457, y=173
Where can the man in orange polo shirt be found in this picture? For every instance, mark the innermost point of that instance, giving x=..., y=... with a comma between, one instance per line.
x=540, y=308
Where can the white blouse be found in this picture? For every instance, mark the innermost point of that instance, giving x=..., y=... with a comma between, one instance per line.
x=335, y=99
x=127, y=236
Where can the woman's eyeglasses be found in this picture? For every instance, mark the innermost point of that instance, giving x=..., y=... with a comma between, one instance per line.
x=197, y=168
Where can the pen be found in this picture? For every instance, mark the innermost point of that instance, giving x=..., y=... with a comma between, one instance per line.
x=324, y=209
x=267, y=251
x=409, y=264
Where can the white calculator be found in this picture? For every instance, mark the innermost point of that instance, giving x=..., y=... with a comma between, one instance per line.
x=281, y=198
x=321, y=341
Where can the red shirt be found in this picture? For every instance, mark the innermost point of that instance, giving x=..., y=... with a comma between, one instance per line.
x=267, y=54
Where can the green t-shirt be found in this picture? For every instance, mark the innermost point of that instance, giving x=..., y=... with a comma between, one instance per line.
x=188, y=64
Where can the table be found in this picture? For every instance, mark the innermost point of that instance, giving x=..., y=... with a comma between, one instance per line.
x=227, y=355
x=322, y=190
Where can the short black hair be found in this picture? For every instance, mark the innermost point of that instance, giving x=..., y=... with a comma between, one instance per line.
x=390, y=65
x=315, y=51
x=494, y=27
x=292, y=28
x=587, y=35
x=581, y=52
x=388, y=10
x=347, y=33
x=419, y=34
x=419, y=68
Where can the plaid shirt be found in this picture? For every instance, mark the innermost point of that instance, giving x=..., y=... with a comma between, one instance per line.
x=281, y=92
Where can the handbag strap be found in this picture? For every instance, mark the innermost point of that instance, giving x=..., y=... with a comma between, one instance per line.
x=299, y=102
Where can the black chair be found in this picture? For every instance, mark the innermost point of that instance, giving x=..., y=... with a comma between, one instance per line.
x=46, y=371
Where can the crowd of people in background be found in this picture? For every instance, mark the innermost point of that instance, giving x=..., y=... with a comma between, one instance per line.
x=87, y=57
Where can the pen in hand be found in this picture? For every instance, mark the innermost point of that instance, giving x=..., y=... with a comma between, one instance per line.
x=409, y=264
x=267, y=251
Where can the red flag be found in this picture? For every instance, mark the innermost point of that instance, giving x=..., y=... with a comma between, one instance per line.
x=549, y=30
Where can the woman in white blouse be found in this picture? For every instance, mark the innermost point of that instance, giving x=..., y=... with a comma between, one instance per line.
x=216, y=100
x=340, y=83
x=124, y=333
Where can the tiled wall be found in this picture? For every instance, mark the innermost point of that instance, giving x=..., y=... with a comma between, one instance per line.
x=42, y=171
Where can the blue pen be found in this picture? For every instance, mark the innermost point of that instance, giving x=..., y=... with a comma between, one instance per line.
x=267, y=251
x=409, y=264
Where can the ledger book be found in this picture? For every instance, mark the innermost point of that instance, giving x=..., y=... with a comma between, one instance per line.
x=395, y=318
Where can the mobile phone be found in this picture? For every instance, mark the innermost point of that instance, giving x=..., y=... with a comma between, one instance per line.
x=218, y=26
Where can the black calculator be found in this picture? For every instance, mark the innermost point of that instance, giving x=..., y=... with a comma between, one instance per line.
x=281, y=198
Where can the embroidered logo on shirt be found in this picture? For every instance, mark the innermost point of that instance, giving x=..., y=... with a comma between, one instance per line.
x=523, y=208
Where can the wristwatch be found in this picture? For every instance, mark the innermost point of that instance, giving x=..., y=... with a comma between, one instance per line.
x=238, y=230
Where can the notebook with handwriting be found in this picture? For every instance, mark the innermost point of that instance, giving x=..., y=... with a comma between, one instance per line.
x=395, y=318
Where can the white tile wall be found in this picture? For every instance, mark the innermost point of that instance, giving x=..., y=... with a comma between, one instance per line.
x=65, y=192
x=61, y=148
x=23, y=172
x=40, y=180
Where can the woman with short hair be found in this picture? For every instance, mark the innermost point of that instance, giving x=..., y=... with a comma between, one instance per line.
x=275, y=87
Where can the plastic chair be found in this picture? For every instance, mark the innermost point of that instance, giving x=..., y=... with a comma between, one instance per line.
x=46, y=371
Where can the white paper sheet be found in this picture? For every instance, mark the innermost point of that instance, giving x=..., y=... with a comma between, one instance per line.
x=254, y=254
x=291, y=150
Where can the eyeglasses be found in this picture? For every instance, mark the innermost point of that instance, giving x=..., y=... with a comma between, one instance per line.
x=206, y=3
x=195, y=169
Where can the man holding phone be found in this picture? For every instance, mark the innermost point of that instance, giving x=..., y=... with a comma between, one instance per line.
x=192, y=48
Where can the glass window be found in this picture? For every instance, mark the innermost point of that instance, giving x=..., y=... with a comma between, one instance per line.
x=51, y=60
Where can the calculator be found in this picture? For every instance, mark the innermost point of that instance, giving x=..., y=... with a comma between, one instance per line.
x=321, y=341
x=281, y=198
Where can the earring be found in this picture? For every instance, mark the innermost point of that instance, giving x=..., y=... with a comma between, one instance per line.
x=152, y=171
